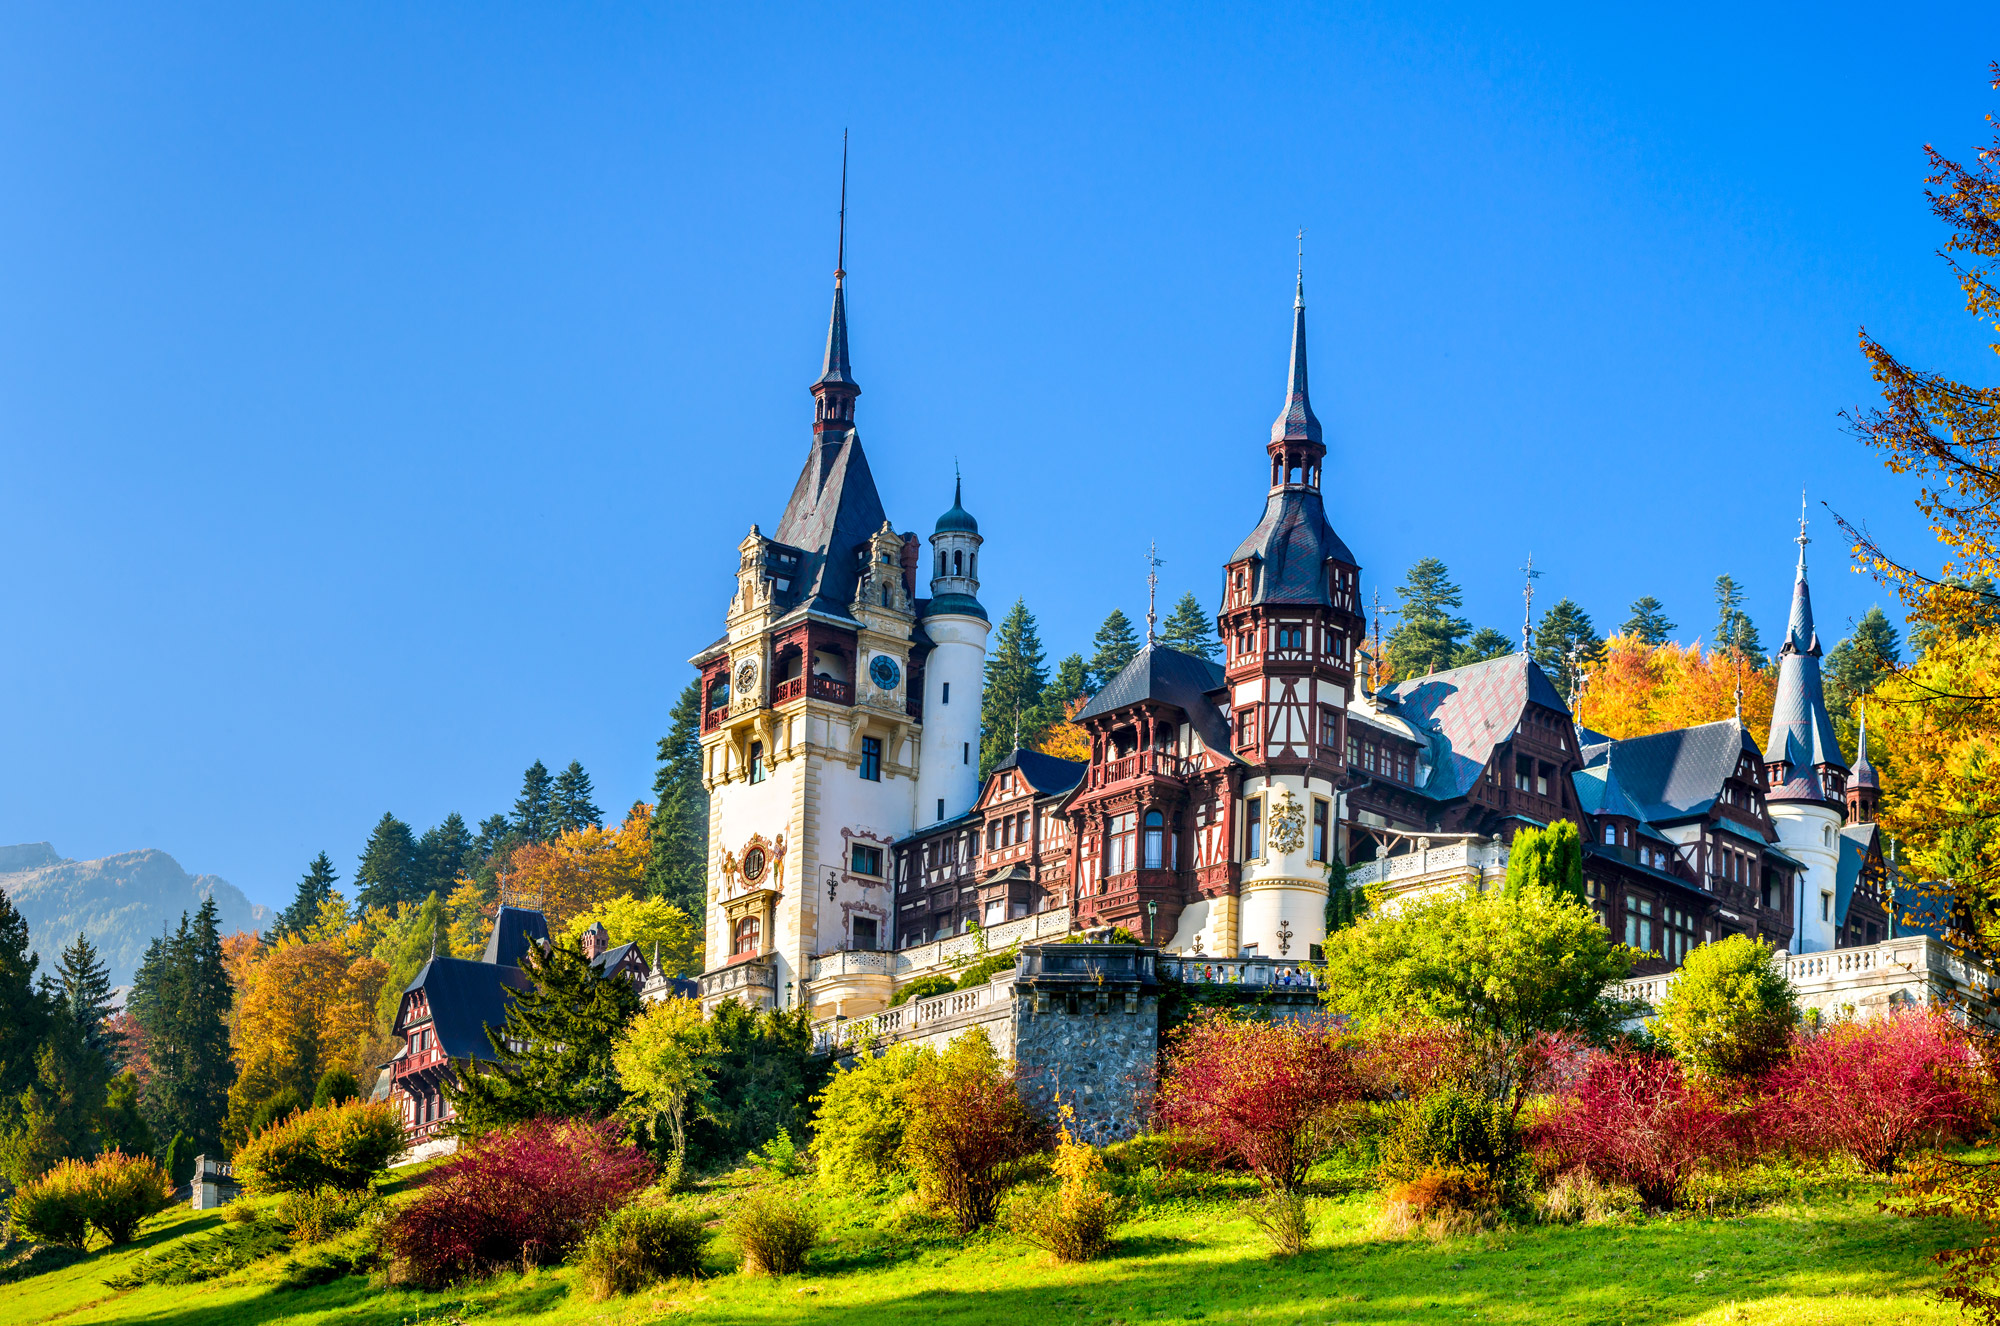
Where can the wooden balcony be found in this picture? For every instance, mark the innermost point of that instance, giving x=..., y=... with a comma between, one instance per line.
x=711, y=719
x=1141, y=764
x=826, y=688
x=786, y=691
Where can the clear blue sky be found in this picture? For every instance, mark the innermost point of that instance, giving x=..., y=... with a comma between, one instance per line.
x=383, y=390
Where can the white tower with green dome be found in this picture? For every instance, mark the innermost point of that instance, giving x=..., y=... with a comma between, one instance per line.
x=955, y=672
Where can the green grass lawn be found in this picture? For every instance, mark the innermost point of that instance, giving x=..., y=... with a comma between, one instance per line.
x=1832, y=1260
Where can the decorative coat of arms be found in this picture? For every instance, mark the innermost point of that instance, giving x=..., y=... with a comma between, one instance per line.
x=1288, y=823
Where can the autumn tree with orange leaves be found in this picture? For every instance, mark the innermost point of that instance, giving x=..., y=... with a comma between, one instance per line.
x=1640, y=689
x=578, y=871
x=305, y=1007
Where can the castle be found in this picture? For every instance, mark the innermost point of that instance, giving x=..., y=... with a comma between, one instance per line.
x=851, y=838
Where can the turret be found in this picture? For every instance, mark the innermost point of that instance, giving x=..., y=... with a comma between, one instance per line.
x=1864, y=785
x=955, y=673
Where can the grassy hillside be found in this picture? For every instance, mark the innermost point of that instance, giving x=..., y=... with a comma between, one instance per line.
x=1828, y=1259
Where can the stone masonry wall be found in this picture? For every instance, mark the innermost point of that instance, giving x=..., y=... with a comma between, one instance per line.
x=1096, y=1056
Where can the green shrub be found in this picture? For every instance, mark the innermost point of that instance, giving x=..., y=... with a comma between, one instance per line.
x=858, y=1129
x=318, y=1215
x=638, y=1245
x=1730, y=1011
x=56, y=1207
x=336, y=1086
x=923, y=988
x=191, y=1260
x=773, y=1233
x=281, y=1106
x=984, y=970
x=178, y=1160
x=122, y=1190
x=337, y=1146
x=1452, y=1129
x=1286, y=1220
x=779, y=1156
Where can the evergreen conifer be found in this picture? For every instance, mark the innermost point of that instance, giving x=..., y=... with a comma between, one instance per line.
x=535, y=809
x=1855, y=667
x=1070, y=684
x=1116, y=643
x=315, y=887
x=1733, y=627
x=678, y=870
x=387, y=874
x=181, y=998
x=443, y=854
x=83, y=996
x=1485, y=643
x=566, y=1023
x=23, y=1012
x=570, y=805
x=1648, y=623
x=1189, y=628
x=1428, y=635
x=1564, y=642
x=1015, y=681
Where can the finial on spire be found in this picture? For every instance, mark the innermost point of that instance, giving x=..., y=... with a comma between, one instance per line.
x=1861, y=754
x=1299, y=299
x=1296, y=422
x=1153, y=565
x=840, y=262
x=1802, y=540
x=1528, y=605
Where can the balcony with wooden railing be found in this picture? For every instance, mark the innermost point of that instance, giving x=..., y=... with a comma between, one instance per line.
x=788, y=690
x=1141, y=764
x=828, y=688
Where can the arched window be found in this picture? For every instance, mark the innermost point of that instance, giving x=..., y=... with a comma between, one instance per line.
x=958, y=563
x=974, y=570
x=1156, y=836
x=1610, y=835
x=940, y=569
x=747, y=935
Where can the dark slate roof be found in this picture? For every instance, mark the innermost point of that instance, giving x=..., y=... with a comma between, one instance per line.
x=465, y=998
x=1157, y=672
x=1599, y=792
x=957, y=520
x=834, y=367
x=1293, y=543
x=1468, y=711
x=1678, y=773
x=962, y=604
x=1857, y=841
x=1296, y=422
x=1045, y=773
x=1864, y=774
x=514, y=928
x=611, y=957
x=833, y=512
x=1801, y=729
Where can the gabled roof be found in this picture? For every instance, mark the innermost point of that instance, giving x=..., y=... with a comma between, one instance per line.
x=1169, y=676
x=1678, y=773
x=1045, y=773
x=833, y=512
x=608, y=960
x=514, y=929
x=1293, y=542
x=1467, y=712
x=465, y=998
x=1858, y=842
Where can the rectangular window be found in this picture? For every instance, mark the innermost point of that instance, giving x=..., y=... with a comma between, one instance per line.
x=964, y=755
x=871, y=759
x=1253, y=828
x=1246, y=727
x=1353, y=751
x=940, y=813
x=996, y=911
x=867, y=860
x=1825, y=906
x=1329, y=729
x=1120, y=841
x=1368, y=756
x=1524, y=772
x=945, y=694
x=1542, y=780
x=1319, y=830
x=756, y=761
x=1403, y=774
x=864, y=932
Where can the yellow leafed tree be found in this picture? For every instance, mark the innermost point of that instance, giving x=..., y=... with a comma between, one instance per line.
x=648, y=922
x=583, y=869
x=1641, y=689
x=307, y=1007
x=1065, y=740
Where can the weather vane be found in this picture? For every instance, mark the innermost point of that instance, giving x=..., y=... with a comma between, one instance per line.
x=1153, y=565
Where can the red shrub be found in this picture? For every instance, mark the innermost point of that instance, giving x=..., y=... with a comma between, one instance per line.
x=529, y=1194
x=1877, y=1089
x=1635, y=1119
x=1276, y=1095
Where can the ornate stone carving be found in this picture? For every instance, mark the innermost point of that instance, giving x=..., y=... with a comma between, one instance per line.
x=1288, y=823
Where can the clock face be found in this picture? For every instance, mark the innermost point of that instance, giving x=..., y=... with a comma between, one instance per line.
x=746, y=676
x=885, y=672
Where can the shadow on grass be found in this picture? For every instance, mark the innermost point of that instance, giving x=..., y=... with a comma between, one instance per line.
x=1657, y=1272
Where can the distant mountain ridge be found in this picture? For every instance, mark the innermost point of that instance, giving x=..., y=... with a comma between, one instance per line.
x=121, y=903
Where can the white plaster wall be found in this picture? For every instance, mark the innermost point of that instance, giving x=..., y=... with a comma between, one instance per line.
x=1802, y=832
x=738, y=809
x=849, y=801
x=1285, y=886
x=1265, y=907
x=943, y=770
x=1198, y=919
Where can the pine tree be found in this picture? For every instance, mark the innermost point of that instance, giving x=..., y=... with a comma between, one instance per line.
x=1116, y=644
x=1189, y=628
x=1565, y=641
x=1015, y=680
x=23, y=1012
x=122, y=1125
x=443, y=854
x=181, y=999
x=570, y=806
x=535, y=809
x=1070, y=684
x=388, y=871
x=1428, y=635
x=83, y=990
x=567, y=1020
x=1485, y=643
x=1733, y=627
x=1648, y=624
x=1856, y=666
x=678, y=870
x=315, y=887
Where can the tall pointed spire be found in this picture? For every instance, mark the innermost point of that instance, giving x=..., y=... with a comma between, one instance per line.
x=1296, y=422
x=1802, y=736
x=835, y=388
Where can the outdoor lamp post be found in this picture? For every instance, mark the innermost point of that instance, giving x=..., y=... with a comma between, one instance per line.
x=1152, y=910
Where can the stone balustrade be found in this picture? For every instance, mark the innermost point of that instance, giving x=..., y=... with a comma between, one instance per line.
x=1277, y=972
x=1466, y=859
x=948, y=1012
x=1910, y=970
x=950, y=954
